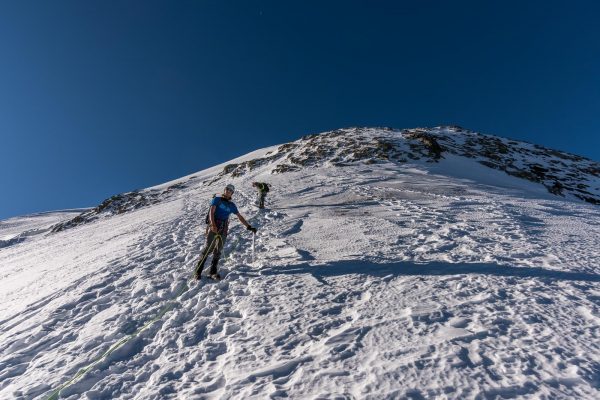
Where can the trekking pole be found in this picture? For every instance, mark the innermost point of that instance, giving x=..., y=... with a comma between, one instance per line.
x=253, y=245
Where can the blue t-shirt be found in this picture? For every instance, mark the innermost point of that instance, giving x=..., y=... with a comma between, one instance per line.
x=224, y=208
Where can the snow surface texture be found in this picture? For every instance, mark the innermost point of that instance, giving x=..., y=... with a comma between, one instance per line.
x=375, y=277
x=16, y=230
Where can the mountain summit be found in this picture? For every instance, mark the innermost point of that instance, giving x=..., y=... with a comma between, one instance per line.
x=418, y=263
x=562, y=173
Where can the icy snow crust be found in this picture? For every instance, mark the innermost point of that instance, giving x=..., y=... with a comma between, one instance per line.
x=373, y=279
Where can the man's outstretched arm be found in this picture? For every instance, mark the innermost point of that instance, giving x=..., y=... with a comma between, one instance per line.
x=246, y=224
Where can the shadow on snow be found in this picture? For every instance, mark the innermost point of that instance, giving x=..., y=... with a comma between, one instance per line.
x=436, y=268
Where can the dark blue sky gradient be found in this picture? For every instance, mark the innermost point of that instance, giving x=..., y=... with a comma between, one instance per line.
x=103, y=97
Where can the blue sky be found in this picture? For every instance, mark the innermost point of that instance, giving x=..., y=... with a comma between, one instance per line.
x=102, y=97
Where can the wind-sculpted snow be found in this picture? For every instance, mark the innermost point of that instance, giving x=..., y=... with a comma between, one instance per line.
x=389, y=279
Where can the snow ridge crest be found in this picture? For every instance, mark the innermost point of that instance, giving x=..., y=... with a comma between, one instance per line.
x=563, y=174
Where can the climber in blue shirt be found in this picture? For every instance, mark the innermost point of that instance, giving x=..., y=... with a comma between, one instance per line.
x=221, y=207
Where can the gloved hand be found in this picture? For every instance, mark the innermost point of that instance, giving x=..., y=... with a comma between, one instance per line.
x=251, y=229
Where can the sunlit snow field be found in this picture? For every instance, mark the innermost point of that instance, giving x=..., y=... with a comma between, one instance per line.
x=383, y=281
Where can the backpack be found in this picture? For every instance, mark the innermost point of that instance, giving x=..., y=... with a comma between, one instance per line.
x=207, y=219
x=264, y=187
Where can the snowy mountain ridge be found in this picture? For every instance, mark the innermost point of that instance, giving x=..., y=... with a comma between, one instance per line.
x=387, y=265
x=563, y=174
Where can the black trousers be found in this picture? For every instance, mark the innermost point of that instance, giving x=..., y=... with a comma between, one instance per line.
x=261, y=199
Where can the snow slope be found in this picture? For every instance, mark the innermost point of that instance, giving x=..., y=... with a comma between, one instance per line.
x=17, y=229
x=373, y=278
